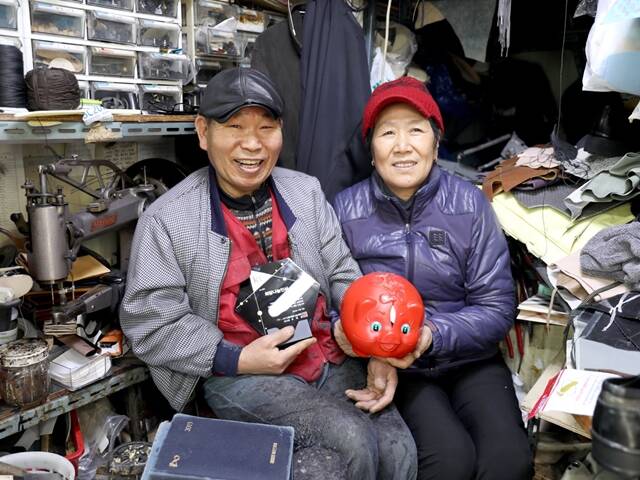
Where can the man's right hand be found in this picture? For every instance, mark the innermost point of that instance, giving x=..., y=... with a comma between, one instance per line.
x=263, y=357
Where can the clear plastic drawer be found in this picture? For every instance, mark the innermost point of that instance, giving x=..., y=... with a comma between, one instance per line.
x=121, y=4
x=252, y=20
x=159, y=34
x=165, y=8
x=111, y=27
x=164, y=66
x=116, y=95
x=206, y=69
x=63, y=55
x=56, y=20
x=212, y=12
x=219, y=43
x=9, y=14
x=161, y=98
x=112, y=62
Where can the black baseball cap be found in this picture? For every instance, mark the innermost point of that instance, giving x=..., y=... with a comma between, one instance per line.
x=236, y=88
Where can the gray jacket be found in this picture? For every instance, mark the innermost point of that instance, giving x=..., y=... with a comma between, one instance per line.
x=179, y=259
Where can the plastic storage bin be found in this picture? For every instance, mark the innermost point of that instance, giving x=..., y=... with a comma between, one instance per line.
x=116, y=95
x=161, y=98
x=112, y=62
x=159, y=34
x=9, y=14
x=111, y=27
x=165, y=8
x=64, y=54
x=219, y=43
x=56, y=20
x=252, y=20
x=24, y=372
x=207, y=68
x=164, y=66
x=121, y=4
x=211, y=12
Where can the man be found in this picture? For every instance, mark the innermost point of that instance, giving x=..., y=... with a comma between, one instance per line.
x=196, y=245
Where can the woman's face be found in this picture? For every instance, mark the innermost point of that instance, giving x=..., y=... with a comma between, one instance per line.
x=404, y=148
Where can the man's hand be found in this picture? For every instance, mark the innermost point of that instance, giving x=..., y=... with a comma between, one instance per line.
x=423, y=343
x=342, y=340
x=262, y=356
x=382, y=380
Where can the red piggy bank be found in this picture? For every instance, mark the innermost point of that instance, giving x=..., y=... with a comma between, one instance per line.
x=382, y=314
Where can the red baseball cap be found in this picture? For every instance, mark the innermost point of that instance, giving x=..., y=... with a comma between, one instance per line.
x=403, y=90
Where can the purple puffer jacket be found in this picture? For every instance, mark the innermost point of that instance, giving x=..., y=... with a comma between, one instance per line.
x=451, y=248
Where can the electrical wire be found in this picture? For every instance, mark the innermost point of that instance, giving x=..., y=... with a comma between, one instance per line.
x=13, y=90
x=386, y=38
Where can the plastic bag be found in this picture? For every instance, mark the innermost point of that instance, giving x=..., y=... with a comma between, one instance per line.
x=93, y=458
x=613, y=48
x=380, y=70
x=400, y=50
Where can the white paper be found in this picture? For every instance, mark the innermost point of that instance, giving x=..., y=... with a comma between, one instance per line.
x=74, y=370
x=576, y=391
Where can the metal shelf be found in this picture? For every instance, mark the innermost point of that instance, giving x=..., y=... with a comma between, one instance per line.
x=58, y=404
x=21, y=131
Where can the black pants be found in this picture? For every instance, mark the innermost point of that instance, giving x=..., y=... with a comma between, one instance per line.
x=467, y=424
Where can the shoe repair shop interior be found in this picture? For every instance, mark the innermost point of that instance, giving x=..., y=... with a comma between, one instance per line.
x=540, y=102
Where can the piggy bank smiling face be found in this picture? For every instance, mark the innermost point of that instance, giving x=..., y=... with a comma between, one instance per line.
x=381, y=315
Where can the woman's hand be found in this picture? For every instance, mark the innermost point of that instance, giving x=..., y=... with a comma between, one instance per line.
x=424, y=342
x=262, y=356
x=382, y=380
x=342, y=340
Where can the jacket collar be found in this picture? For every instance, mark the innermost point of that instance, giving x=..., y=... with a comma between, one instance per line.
x=217, y=218
x=420, y=199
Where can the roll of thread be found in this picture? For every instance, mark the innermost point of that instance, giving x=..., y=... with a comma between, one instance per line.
x=13, y=90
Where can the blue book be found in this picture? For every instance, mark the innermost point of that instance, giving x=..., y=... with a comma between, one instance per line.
x=191, y=447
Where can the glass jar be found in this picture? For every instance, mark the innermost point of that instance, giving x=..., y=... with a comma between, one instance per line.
x=24, y=372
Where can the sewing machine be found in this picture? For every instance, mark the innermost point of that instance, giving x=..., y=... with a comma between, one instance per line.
x=55, y=235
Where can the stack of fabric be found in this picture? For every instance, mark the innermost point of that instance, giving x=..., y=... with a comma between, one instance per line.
x=573, y=209
x=556, y=203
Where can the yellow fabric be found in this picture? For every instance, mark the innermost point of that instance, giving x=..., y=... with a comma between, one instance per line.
x=548, y=233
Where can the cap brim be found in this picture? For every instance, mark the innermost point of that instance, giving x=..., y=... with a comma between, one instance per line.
x=227, y=115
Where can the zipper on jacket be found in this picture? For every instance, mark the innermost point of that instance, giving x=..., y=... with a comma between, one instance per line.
x=217, y=307
x=259, y=227
x=410, y=252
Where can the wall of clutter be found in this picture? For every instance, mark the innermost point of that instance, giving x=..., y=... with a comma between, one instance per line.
x=151, y=55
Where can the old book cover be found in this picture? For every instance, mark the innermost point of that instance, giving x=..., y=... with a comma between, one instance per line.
x=204, y=448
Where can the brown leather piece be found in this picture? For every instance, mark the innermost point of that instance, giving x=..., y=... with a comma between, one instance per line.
x=508, y=175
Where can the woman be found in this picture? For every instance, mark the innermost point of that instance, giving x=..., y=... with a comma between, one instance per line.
x=416, y=220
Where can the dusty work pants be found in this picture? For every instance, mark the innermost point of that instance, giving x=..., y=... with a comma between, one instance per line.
x=467, y=424
x=333, y=439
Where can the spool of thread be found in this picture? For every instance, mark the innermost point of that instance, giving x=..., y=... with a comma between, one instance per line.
x=13, y=90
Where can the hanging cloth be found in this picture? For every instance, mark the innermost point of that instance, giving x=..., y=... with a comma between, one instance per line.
x=335, y=88
x=277, y=55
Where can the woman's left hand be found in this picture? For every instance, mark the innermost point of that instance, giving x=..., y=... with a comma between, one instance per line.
x=424, y=342
x=382, y=380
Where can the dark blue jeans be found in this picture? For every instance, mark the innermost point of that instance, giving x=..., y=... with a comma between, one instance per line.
x=333, y=439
